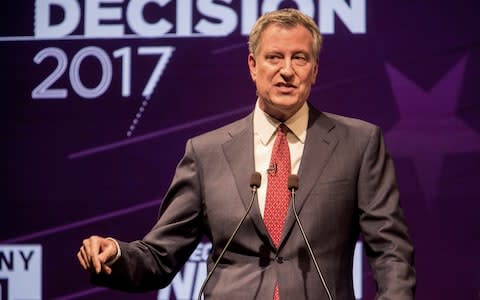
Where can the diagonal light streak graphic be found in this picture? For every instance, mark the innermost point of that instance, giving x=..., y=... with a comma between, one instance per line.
x=112, y=146
x=156, y=134
x=81, y=294
x=73, y=225
x=229, y=48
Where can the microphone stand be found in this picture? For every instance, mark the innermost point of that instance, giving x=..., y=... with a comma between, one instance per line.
x=255, y=184
x=293, y=186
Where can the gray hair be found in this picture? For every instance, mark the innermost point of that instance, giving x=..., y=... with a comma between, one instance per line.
x=287, y=17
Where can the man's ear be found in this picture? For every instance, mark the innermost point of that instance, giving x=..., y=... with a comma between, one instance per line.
x=252, y=65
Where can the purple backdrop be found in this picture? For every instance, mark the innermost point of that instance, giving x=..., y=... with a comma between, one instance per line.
x=92, y=149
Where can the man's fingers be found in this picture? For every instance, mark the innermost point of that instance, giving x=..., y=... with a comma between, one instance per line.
x=81, y=259
x=106, y=254
x=83, y=256
x=91, y=247
x=95, y=252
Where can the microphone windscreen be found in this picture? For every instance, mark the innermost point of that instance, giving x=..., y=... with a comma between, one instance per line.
x=293, y=182
x=255, y=180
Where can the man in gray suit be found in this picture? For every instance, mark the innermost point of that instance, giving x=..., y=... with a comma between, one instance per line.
x=346, y=188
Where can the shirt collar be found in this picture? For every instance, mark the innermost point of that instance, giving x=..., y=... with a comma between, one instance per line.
x=265, y=126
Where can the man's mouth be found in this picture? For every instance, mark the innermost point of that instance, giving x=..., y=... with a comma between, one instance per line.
x=285, y=87
x=285, y=84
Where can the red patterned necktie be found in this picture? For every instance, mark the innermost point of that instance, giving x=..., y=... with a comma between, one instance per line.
x=278, y=196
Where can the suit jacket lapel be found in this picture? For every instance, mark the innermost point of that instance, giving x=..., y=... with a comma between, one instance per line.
x=239, y=153
x=319, y=145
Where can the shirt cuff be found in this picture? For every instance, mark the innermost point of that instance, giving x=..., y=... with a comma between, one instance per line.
x=119, y=252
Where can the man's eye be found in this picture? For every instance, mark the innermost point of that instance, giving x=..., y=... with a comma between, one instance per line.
x=273, y=58
x=300, y=59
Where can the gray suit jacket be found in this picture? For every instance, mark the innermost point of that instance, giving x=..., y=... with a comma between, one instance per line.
x=347, y=187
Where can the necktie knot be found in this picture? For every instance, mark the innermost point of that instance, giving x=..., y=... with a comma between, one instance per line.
x=282, y=128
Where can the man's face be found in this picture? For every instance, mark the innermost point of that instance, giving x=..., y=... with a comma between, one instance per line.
x=283, y=69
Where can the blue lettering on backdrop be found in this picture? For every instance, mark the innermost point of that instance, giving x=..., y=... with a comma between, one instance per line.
x=20, y=272
x=3, y=289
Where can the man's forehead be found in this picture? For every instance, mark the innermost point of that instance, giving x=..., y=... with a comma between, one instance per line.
x=273, y=30
x=287, y=26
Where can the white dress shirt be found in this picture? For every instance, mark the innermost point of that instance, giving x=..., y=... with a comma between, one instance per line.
x=264, y=132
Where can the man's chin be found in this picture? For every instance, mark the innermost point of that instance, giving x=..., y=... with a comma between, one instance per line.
x=285, y=101
x=282, y=108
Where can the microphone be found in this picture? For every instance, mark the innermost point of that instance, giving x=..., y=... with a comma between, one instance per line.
x=293, y=187
x=255, y=181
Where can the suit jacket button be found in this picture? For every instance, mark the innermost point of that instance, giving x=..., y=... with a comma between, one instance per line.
x=279, y=259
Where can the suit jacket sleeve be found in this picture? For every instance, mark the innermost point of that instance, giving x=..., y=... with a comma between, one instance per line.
x=387, y=244
x=152, y=263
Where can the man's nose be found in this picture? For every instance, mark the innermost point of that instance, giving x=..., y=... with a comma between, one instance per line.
x=287, y=69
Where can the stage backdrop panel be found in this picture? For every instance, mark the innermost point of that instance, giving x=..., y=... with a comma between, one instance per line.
x=100, y=96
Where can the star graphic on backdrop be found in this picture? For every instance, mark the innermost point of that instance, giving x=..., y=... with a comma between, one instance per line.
x=428, y=129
